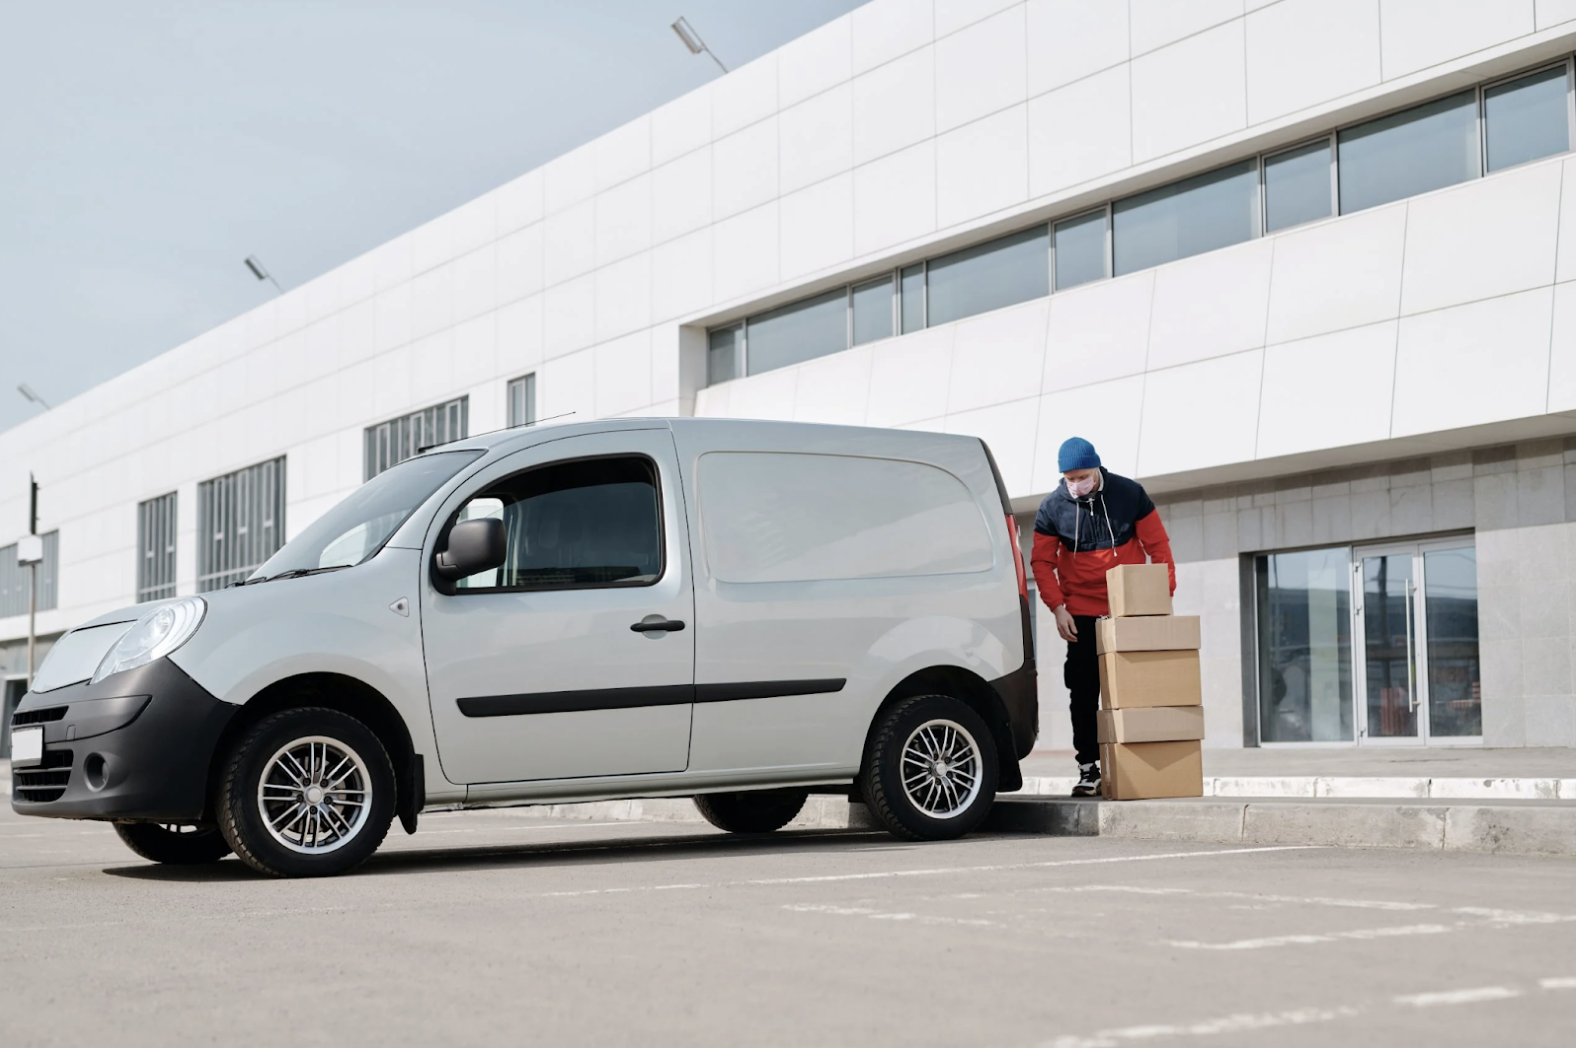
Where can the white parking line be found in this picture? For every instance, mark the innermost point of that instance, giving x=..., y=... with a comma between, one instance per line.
x=1306, y=940
x=1563, y=982
x=1238, y=1023
x=886, y=915
x=1472, y=996
x=1301, y=900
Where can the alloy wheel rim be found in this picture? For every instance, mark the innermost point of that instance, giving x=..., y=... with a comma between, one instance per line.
x=941, y=769
x=314, y=795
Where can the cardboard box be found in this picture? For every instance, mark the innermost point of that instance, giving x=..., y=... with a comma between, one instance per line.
x=1149, y=678
x=1144, y=770
x=1139, y=589
x=1152, y=724
x=1147, y=633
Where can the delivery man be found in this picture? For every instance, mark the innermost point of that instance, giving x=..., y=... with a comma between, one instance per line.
x=1093, y=521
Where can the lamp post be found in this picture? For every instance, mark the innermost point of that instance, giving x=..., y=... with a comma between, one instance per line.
x=28, y=392
x=693, y=41
x=30, y=551
x=256, y=266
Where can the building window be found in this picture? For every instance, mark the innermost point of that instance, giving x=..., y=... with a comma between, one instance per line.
x=240, y=523
x=156, y=548
x=871, y=311
x=1526, y=119
x=522, y=401
x=1082, y=249
x=1198, y=214
x=724, y=354
x=798, y=332
x=1305, y=646
x=1299, y=186
x=912, y=283
x=392, y=442
x=1424, y=148
x=15, y=579
x=988, y=276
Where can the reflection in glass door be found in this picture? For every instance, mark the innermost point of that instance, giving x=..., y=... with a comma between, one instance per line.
x=1418, y=671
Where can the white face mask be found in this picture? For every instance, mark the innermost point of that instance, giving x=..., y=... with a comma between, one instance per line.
x=1079, y=488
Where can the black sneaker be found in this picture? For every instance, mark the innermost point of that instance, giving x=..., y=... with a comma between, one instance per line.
x=1088, y=781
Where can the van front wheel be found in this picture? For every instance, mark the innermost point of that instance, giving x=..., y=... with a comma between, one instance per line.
x=752, y=811
x=930, y=771
x=306, y=793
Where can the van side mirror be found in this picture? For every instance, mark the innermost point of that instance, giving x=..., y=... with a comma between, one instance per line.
x=474, y=545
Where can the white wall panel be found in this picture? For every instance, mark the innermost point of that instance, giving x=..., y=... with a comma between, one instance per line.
x=432, y=300
x=474, y=224
x=431, y=373
x=834, y=389
x=1008, y=429
x=681, y=196
x=569, y=246
x=681, y=126
x=623, y=374
x=568, y=384
x=1302, y=52
x=1562, y=350
x=820, y=59
x=568, y=316
x=1157, y=23
x=1080, y=131
x=1189, y=92
x=1482, y=239
x=1069, y=39
x=982, y=167
x=1098, y=332
x=623, y=153
x=998, y=357
x=895, y=199
x=817, y=226
x=623, y=220
x=909, y=377
x=894, y=105
x=745, y=253
x=1107, y=415
x=1473, y=364
x=1327, y=391
x=744, y=169
x=1554, y=12
x=569, y=179
x=431, y=245
x=1565, y=264
x=520, y=336
x=475, y=278
x=520, y=202
x=1211, y=304
x=980, y=70
x=520, y=263
x=1421, y=33
x=681, y=276
x=1200, y=415
x=816, y=139
x=886, y=29
x=475, y=350
x=1338, y=274
x=623, y=296
x=769, y=396
x=746, y=95
x=953, y=15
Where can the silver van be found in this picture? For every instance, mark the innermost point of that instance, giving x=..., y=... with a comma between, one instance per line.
x=741, y=612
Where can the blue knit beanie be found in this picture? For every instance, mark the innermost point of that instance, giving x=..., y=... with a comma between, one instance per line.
x=1076, y=453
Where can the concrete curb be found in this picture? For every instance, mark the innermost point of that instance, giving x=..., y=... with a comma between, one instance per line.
x=1350, y=786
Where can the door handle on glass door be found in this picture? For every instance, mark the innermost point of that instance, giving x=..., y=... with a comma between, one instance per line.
x=658, y=626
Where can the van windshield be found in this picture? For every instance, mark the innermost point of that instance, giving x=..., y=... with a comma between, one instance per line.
x=356, y=528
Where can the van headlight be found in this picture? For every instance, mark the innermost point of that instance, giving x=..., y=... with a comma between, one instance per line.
x=154, y=636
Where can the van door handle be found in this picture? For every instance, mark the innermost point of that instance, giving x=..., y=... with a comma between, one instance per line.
x=659, y=626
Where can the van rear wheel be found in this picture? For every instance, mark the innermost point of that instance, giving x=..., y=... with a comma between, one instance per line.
x=930, y=770
x=306, y=793
x=752, y=811
x=174, y=845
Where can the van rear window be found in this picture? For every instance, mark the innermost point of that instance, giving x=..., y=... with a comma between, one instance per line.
x=768, y=517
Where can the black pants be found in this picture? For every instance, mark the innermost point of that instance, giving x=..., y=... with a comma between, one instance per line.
x=1082, y=677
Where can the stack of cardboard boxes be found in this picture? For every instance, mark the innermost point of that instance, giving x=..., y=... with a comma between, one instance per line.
x=1151, y=701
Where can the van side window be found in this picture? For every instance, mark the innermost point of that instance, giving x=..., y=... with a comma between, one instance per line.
x=571, y=525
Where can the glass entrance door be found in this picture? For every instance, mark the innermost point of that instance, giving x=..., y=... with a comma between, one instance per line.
x=1417, y=671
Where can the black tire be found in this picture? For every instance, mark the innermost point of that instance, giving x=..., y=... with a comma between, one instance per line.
x=242, y=819
x=882, y=779
x=176, y=846
x=752, y=811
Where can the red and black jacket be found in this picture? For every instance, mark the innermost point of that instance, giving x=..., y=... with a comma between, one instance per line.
x=1077, y=540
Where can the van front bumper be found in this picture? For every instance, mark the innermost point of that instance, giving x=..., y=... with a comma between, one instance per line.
x=137, y=745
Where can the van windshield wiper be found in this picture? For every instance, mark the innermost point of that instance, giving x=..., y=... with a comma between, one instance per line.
x=293, y=573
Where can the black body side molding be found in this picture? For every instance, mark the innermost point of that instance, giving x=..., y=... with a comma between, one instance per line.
x=634, y=698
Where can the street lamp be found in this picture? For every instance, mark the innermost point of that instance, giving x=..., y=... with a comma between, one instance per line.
x=27, y=391
x=260, y=273
x=29, y=554
x=693, y=41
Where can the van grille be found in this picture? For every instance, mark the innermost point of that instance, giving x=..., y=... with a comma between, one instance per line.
x=44, y=716
x=44, y=783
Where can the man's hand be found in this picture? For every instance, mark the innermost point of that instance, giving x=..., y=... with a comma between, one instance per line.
x=1065, y=624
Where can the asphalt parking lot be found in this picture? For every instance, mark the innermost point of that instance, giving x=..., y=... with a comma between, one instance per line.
x=499, y=928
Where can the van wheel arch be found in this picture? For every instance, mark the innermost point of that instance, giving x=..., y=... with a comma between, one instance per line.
x=350, y=696
x=975, y=692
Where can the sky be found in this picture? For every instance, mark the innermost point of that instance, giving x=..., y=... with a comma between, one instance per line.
x=148, y=146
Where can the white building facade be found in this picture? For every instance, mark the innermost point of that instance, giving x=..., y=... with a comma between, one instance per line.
x=1299, y=266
